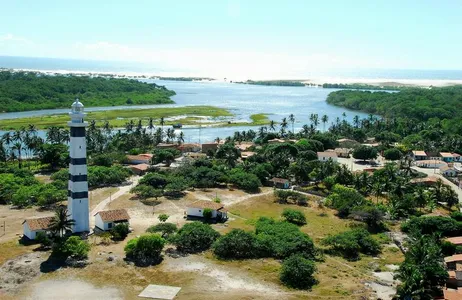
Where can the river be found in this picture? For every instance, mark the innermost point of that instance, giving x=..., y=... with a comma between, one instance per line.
x=242, y=100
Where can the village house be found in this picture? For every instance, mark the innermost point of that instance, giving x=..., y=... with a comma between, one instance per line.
x=457, y=157
x=189, y=147
x=347, y=143
x=434, y=163
x=342, y=152
x=166, y=146
x=205, y=148
x=428, y=181
x=35, y=225
x=446, y=156
x=281, y=183
x=247, y=154
x=140, y=169
x=457, y=240
x=144, y=158
x=276, y=141
x=449, y=171
x=418, y=155
x=196, y=209
x=106, y=219
x=326, y=155
x=244, y=146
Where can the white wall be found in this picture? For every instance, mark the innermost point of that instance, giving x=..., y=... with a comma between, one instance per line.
x=101, y=224
x=198, y=212
x=79, y=211
x=30, y=233
x=324, y=158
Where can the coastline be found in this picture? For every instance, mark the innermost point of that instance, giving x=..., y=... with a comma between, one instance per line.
x=404, y=82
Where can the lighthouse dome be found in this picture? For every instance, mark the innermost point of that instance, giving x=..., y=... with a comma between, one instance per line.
x=77, y=106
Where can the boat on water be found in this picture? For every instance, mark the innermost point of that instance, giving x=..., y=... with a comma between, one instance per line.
x=177, y=126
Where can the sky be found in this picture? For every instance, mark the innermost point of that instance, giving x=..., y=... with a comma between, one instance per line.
x=287, y=38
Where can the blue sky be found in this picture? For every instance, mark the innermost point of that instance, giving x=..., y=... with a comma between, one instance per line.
x=209, y=37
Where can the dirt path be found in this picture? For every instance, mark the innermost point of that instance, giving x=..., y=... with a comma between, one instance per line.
x=122, y=190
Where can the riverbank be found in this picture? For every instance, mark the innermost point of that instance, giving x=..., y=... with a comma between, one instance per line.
x=206, y=116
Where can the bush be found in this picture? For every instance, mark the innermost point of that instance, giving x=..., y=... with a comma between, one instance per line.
x=237, y=244
x=246, y=181
x=163, y=217
x=166, y=229
x=146, y=249
x=73, y=247
x=448, y=248
x=144, y=191
x=297, y=272
x=207, y=213
x=287, y=196
x=294, y=216
x=195, y=237
x=428, y=225
x=365, y=153
x=350, y=243
x=282, y=239
x=392, y=154
x=456, y=215
x=43, y=239
x=344, y=200
x=104, y=160
x=120, y=231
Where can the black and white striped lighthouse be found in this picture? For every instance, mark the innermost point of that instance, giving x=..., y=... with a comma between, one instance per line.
x=77, y=196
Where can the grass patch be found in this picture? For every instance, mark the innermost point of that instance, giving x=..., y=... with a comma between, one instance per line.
x=118, y=118
x=13, y=249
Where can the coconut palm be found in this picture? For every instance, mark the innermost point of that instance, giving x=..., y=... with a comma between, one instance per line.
x=272, y=125
x=6, y=138
x=18, y=148
x=292, y=120
x=356, y=121
x=324, y=120
x=150, y=125
x=61, y=222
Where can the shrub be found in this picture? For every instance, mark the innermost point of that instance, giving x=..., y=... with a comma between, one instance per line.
x=344, y=200
x=120, y=231
x=73, y=247
x=207, y=213
x=144, y=191
x=351, y=243
x=282, y=239
x=297, y=272
x=163, y=217
x=448, y=248
x=294, y=216
x=146, y=249
x=456, y=215
x=237, y=244
x=429, y=225
x=166, y=229
x=287, y=196
x=392, y=154
x=246, y=181
x=195, y=237
x=43, y=239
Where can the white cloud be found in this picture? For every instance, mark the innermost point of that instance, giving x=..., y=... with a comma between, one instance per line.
x=14, y=39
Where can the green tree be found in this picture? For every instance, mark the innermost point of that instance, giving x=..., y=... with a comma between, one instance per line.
x=163, y=217
x=392, y=154
x=297, y=272
x=237, y=244
x=294, y=216
x=120, y=231
x=166, y=229
x=145, y=250
x=195, y=237
x=365, y=153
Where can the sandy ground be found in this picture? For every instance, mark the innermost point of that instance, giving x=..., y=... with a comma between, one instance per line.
x=385, y=286
x=71, y=289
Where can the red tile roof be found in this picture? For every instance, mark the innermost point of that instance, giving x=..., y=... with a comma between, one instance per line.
x=39, y=223
x=113, y=215
x=206, y=204
x=455, y=240
x=327, y=154
x=453, y=258
x=279, y=180
x=452, y=294
x=446, y=154
x=141, y=167
x=419, y=153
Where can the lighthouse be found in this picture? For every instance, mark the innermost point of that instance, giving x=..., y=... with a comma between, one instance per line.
x=77, y=194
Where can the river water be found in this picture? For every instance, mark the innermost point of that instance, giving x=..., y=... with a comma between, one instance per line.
x=242, y=100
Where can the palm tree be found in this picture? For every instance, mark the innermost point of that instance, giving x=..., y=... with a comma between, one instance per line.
x=292, y=120
x=262, y=132
x=272, y=125
x=344, y=115
x=284, y=124
x=18, y=148
x=150, y=125
x=356, y=121
x=32, y=129
x=61, y=222
x=324, y=120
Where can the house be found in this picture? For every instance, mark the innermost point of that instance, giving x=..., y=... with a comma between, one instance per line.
x=454, y=262
x=430, y=180
x=446, y=156
x=347, y=143
x=140, y=169
x=139, y=159
x=281, y=183
x=448, y=171
x=454, y=280
x=209, y=147
x=196, y=209
x=457, y=157
x=276, y=141
x=184, y=148
x=326, y=155
x=33, y=226
x=452, y=294
x=166, y=146
x=247, y=154
x=107, y=219
x=244, y=146
x=455, y=240
x=433, y=163
x=419, y=155
x=342, y=152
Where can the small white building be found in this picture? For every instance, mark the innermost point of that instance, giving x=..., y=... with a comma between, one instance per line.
x=196, y=209
x=33, y=226
x=106, y=219
x=326, y=155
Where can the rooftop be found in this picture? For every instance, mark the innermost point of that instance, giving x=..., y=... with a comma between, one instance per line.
x=455, y=240
x=279, y=180
x=141, y=167
x=419, y=153
x=450, y=294
x=453, y=258
x=327, y=154
x=206, y=204
x=446, y=154
x=113, y=215
x=39, y=223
